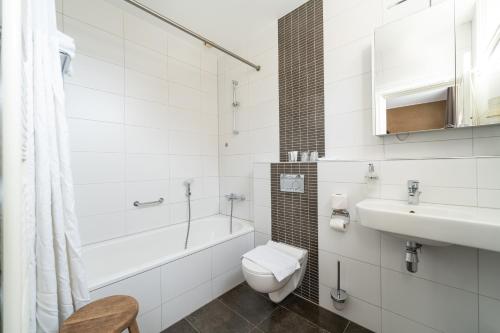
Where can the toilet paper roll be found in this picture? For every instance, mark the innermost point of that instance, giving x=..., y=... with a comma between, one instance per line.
x=339, y=201
x=338, y=224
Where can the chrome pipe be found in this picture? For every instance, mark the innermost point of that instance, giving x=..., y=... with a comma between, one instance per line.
x=187, y=183
x=190, y=32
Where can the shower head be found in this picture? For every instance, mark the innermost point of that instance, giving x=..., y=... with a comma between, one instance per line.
x=188, y=181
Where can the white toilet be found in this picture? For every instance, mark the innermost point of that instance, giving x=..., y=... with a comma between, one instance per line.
x=263, y=280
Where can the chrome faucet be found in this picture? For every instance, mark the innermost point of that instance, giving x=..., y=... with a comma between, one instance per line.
x=232, y=197
x=413, y=192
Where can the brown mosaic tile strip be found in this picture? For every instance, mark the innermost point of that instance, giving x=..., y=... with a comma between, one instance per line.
x=301, y=84
x=295, y=220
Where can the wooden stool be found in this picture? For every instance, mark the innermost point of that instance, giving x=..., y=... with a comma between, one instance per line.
x=107, y=315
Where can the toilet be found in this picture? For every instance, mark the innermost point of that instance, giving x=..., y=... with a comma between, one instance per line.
x=263, y=280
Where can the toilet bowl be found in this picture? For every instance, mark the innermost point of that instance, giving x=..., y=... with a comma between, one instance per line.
x=263, y=280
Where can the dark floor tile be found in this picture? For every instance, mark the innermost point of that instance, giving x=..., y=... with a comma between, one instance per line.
x=286, y=321
x=355, y=328
x=181, y=326
x=248, y=303
x=216, y=317
x=323, y=318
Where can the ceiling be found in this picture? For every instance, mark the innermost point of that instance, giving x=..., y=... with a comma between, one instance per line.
x=225, y=22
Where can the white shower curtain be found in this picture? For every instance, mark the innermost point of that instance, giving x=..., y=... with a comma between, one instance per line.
x=54, y=277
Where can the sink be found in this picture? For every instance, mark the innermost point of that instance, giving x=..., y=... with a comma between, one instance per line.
x=436, y=225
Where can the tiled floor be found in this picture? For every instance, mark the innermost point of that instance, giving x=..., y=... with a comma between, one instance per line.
x=244, y=310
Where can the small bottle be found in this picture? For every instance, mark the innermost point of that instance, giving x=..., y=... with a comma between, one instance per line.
x=371, y=175
x=371, y=181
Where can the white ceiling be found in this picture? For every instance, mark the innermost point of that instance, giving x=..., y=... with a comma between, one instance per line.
x=226, y=22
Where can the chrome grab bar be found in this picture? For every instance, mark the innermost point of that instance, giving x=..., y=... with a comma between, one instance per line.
x=149, y=203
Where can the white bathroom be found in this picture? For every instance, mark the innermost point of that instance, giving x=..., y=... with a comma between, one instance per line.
x=250, y=166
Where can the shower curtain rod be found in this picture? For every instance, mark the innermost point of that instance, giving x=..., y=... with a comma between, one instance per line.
x=190, y=32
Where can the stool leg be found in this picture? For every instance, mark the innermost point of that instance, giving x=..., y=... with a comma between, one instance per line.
x=133, y=328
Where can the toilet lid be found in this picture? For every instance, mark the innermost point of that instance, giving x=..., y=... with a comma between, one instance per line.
x=253, y=268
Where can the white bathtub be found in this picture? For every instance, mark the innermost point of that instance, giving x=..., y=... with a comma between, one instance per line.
x=168, y=281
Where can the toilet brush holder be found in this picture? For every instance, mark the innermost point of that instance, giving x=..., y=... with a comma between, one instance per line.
x=338, y=295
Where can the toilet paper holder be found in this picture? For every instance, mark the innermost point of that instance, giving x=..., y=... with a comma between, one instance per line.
x=341, y=212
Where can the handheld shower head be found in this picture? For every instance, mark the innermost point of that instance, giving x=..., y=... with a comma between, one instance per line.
x=188, y=183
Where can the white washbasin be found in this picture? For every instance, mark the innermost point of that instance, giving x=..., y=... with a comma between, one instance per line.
x=432, y=224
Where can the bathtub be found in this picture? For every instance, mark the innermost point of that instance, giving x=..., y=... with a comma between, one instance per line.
x=168, y=281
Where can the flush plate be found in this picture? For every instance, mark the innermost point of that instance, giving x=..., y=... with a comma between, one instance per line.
x=293, y=183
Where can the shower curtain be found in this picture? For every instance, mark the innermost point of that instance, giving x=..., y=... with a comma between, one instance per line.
x=54, y=275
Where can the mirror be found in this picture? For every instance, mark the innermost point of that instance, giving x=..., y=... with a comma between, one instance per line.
x=438, y=69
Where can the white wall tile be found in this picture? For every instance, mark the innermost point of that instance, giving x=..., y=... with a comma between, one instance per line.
x=487, y=173
x=262, y=219
x=93, y=104
x=93, y=199
x=143, y=33
x=489, y=274
x=147, y=218
x=145, y=140
x=393, y=323
x=436, y=149
x=150, y=322
x=351, y=94
x=185, y=143
x=146, y=87
x=111, y=167
x=142, y=113
x=95, y=42
x=146, y=167
x=184, y=97
x=143, y=287
x=184, y=51
x=488, y=198
x=93, y=136
x=185, y=274
x=489, y=321
x=227, y=281
x=97, y=228
x=97, y=74
x=179, y=307
x=98, y=13
x=186, y=167
x=355, y=23
x=145, y=60
x=184, y=74
x=428, y=302
x=227, y=255
x=349, y=60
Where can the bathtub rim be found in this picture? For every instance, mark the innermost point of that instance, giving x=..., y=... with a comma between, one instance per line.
x=150, y=265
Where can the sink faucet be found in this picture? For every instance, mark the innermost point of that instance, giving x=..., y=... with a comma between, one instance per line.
x=413, y=192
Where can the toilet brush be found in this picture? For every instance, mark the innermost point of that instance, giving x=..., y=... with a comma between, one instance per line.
x=339, y=296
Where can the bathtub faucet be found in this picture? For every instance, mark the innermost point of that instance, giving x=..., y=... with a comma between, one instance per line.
x=231, y=197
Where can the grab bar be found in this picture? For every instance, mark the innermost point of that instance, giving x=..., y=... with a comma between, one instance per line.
x=149, y=203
